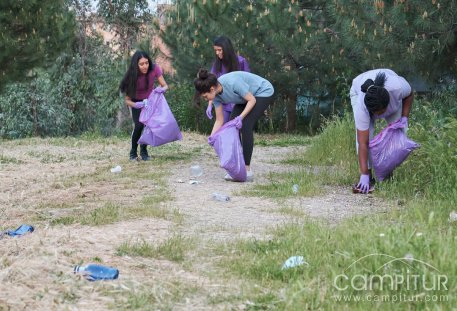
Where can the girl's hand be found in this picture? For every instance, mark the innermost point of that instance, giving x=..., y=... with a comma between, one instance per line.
x=209, y=111
x=160, y=90
x=238, y=122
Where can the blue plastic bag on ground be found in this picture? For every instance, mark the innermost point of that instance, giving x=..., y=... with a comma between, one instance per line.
x=226, y=143
x=20, y=231
x=389, y=149
x=160, y=124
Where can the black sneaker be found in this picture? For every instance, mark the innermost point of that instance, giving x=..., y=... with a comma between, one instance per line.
x=145, y=157
x=144, y=153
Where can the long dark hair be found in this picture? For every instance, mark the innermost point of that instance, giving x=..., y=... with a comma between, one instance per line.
x=376, y=97
x=128, y=83
x=229, y=58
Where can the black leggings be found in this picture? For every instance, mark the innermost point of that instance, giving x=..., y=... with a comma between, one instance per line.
x=247, y=131
x=137, y=130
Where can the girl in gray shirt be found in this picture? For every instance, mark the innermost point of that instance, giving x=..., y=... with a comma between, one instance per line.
x=251, y=95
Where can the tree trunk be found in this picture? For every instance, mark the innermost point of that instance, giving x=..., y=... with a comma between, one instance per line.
x=122, y=117
x=291, y=112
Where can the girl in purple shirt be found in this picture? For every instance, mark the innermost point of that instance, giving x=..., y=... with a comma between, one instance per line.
x=137, y=85
x=375, y=94
x=226, y=60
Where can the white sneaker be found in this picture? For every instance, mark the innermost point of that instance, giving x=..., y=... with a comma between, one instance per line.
x=249, y=176
x=227, y=177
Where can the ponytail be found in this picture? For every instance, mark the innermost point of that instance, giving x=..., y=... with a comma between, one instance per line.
x=376, y=96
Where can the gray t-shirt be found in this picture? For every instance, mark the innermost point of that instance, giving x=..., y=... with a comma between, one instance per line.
x=397, y=87
x=237, y=84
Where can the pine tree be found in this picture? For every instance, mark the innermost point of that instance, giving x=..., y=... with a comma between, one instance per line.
x=188, y=30
x=412, y=37
x=282, y=40
x=32, y=34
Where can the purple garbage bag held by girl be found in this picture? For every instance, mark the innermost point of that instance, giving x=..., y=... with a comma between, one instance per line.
x=160, y=124
x=389, y=149
x=226, y=143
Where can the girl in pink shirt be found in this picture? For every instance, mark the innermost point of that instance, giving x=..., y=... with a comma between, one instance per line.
x=137, y=85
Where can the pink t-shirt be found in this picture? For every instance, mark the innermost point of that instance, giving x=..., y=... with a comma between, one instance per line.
x=143, y=92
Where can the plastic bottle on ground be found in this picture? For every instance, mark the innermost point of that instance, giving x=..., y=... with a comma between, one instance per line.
x=93, y=272
x=220, y=197
x=196, y=171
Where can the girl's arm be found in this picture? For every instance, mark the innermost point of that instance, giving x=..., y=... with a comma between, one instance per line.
x=244, y=65
x=128, y=101
x=407, y=103
x=249, y=105
x=362, y=139
x=219, y=119
x=162, y=83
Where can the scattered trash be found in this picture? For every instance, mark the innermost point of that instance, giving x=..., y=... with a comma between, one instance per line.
x=196, y=171
x=409, y=258
x=116, y=169
x=94, y=272
x=419, y=234
x=195, y=182
x=382, y=235
x=295, y=189
x=453, y=216
x=220, y=197
x=294, y=261
x=23, y=229
x=180, y=181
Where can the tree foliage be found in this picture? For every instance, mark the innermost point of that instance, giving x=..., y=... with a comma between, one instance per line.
x=310, y=42
x=127, y=19
x=33, y=33
x=414, y=37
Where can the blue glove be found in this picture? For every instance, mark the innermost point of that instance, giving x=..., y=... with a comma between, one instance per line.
x=238, y=122
x=209, y=111
x=364, y=183
x=404, y=122
x=160, y=90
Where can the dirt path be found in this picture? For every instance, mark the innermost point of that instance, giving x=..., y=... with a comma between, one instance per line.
x=42, y=180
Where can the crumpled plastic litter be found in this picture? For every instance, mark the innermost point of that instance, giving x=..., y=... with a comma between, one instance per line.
x=294, y=261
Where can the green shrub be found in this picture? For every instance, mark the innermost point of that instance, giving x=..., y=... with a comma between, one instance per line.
x=190, y=118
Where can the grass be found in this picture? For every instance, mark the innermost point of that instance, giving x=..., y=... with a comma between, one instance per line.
x=280, y=185
x=173, y=248
x=331, y=253
x=291, y=211
x=284, y=140
x=8, y=160
x=113, y=212
x=358, y=249
x=354, y=250
x=157, y=296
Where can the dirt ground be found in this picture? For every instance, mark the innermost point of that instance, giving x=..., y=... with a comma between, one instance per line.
x=36, y=271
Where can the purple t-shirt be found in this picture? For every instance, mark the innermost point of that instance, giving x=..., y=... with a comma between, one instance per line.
x=397, y=87
x=141, y=91
x=243, y=65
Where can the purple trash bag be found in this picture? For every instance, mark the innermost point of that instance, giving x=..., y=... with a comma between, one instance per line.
x=389, y=149
x=226, y=143
x=160, y=124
